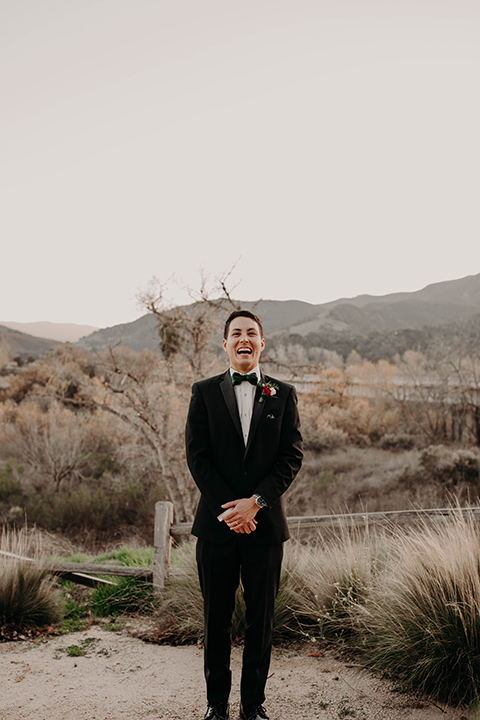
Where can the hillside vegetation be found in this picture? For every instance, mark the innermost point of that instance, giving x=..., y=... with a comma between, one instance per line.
x=98, y=435
x=365, y=323
x=89, y=442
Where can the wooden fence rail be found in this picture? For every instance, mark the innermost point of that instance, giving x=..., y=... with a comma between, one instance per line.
x=166, y=532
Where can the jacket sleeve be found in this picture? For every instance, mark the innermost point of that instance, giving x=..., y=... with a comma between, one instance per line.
x=289, y=457
x=213, y=488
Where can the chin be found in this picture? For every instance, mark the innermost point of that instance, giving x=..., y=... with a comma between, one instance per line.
x=245, y=368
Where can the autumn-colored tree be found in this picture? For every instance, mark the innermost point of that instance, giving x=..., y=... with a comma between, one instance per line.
x=347, y=406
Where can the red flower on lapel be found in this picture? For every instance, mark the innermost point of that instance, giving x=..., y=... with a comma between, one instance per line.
x=268, y=389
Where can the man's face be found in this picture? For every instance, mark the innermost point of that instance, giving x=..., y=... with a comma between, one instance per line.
x=244, y=344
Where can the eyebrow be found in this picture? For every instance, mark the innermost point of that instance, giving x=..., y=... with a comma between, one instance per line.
x=249, y=329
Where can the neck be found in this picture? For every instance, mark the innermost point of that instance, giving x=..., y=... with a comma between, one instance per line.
x=255, y=369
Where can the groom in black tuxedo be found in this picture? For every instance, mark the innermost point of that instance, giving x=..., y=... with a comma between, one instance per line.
x=244, y=449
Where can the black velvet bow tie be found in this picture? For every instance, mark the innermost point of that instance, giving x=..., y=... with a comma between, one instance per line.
x=237, y=378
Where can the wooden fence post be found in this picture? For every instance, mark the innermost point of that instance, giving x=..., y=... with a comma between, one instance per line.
x=162, y=543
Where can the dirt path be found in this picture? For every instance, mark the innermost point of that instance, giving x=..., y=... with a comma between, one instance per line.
x=120, y=677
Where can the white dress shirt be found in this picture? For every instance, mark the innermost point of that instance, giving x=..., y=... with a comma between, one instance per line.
x=245, y=395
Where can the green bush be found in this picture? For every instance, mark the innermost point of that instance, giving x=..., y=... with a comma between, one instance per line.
x=128, y=556
x=10, y=488
x=128, y=595
x=76, y=609
x=97, y=508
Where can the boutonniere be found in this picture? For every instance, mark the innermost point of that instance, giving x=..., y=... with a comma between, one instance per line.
x=267, y=389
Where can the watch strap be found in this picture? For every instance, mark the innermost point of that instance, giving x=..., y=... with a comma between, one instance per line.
x=260, y=501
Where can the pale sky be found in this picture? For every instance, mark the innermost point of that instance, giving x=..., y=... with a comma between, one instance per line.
x=328, y=148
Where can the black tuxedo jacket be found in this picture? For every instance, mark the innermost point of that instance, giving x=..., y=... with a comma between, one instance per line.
x=224, y=469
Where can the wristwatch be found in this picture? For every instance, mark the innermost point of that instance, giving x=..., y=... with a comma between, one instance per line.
x=260, y=501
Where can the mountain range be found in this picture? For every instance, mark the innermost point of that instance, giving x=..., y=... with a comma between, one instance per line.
x=62, y=332
x=436, y=305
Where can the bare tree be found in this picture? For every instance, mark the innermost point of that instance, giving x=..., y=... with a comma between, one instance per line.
x=55, y=444
x=464, y=383
x=422, y=395
x=138, y=388
x=151, y=391
x=186, y=333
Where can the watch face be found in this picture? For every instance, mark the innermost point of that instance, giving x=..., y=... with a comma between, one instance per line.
x=260, y=501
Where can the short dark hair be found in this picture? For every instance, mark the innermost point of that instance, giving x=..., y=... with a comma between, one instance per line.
x=241, y=313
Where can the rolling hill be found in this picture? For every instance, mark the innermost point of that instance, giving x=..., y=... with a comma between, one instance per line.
x=62, y=332
x=434, y=306
x=440, y=305
x=17, y=344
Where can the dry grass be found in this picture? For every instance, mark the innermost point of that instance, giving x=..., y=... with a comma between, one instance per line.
x=28, y=598
x=407, y=602
x=327, y=582
x=422, y=620
x=353, y=479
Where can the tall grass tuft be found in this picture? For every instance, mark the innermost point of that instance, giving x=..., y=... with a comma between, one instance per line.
x=320, y=591
x=406, y=601
x=422, y=621
x=326, y=584
x=28, y=598
x=180, y=612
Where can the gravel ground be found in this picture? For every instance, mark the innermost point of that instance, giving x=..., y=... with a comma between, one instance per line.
x=118, y=676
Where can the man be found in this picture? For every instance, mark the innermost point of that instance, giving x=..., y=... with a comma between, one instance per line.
x=244, y=448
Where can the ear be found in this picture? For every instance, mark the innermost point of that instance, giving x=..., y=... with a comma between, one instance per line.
x=224, y=343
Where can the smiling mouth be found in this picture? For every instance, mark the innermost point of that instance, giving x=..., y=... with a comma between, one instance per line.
x=244, y=351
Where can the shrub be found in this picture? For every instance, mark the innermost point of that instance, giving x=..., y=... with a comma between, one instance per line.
x=319, y=592
x=97, y=508
x=27, y=599
x=422, y=622
x=76, y=611
x=10, y=489
x=397, y=442
x=27, y=595
x=128, y=595
x=327, y=584
x=450, y=466
x=180, y=612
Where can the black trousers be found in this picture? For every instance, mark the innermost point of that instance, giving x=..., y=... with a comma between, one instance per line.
x=220, y=569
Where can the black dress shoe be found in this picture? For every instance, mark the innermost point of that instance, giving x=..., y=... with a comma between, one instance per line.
x=218, y=711
x=253, y=712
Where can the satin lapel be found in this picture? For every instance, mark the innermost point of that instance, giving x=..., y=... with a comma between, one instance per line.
x=226, y=387
x=258, y=408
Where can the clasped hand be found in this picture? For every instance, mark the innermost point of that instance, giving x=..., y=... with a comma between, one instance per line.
x=242, y=518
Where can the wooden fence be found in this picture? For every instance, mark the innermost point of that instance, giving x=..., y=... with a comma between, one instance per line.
x=166, y=532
